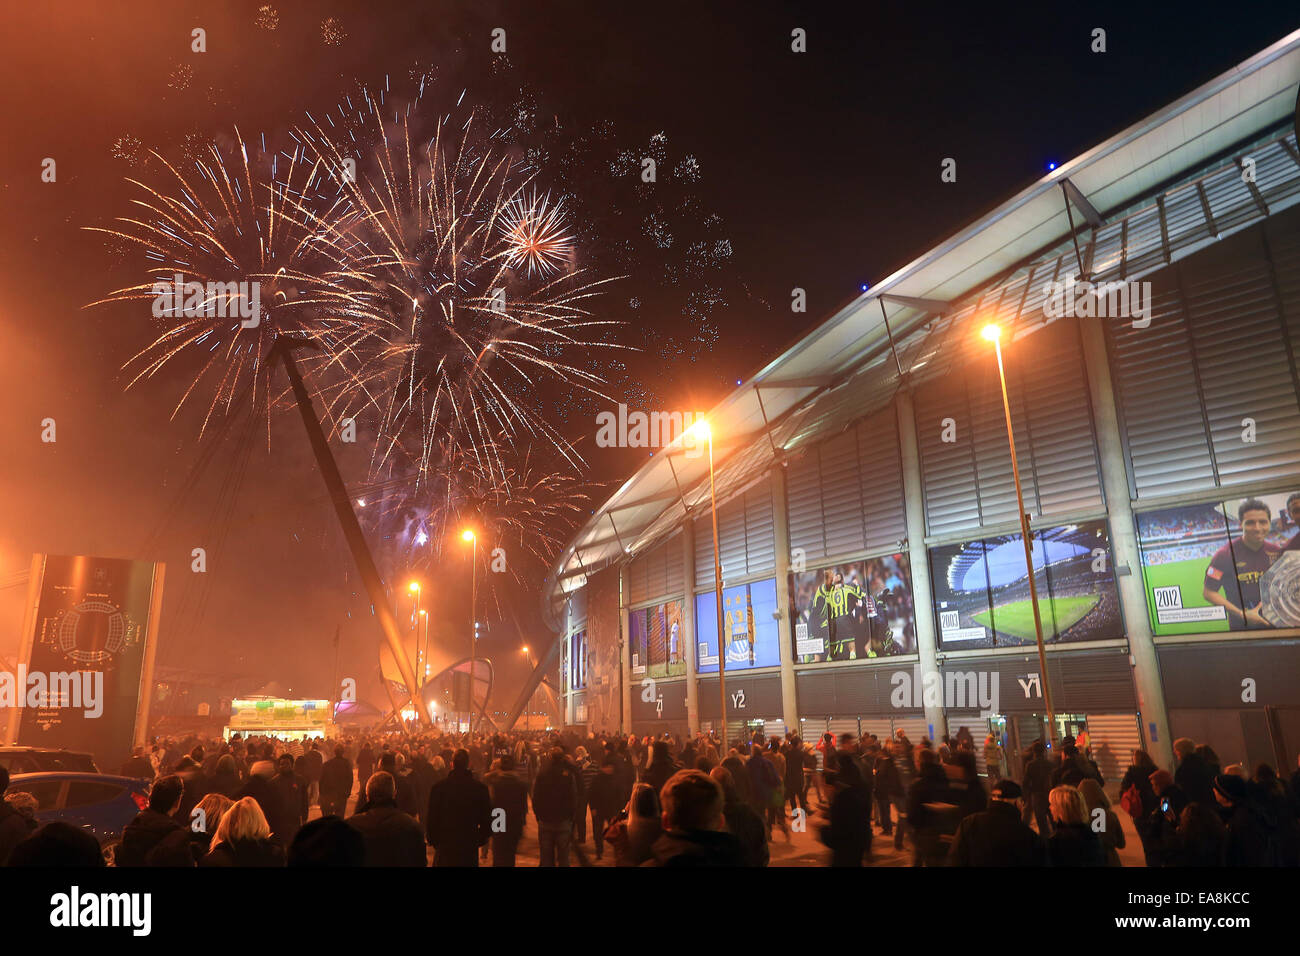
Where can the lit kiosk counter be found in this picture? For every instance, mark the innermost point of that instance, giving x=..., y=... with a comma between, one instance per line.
x=276, y=717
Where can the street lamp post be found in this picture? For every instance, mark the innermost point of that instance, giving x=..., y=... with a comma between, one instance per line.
x=993, y=334
x=703, y=429
x=469, y=536
x=423, y=649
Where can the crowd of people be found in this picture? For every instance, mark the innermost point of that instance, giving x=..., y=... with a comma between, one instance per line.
x=465, y=800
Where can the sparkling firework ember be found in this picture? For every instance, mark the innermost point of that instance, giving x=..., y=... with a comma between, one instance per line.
x=468, y=335
x=236, y=221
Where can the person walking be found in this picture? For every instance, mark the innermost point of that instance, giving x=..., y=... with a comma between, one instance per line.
x=509, y=809
x=459, y=817
x=335, y=784
x=391, y=837
x=555, y=801
x=998, y=836
x=604, y=798
x=1073, y=841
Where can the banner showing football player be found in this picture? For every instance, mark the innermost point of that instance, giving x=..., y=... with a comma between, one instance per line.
x=853, y=611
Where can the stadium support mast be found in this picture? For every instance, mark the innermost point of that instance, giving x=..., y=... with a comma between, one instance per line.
x=329, y=470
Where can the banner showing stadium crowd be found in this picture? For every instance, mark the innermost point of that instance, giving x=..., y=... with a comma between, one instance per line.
x=655, y=641
x=853, y=611
x=1224, y=566
x=981, y=589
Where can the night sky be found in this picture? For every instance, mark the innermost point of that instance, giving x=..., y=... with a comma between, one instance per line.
x=818, y=170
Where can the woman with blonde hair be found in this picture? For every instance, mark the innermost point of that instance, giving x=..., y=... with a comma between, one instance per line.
x=1073, y=841
x=204, y=820
x=243, y=838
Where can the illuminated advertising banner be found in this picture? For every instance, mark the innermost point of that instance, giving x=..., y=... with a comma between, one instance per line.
x=748, y=620
x=853, y=611
x=1224, y=566
x=656, y=640
x=89, y=643
x=580, y=659
x=981, y=589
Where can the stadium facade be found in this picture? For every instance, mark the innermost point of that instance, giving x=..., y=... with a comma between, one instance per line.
x=868, y=526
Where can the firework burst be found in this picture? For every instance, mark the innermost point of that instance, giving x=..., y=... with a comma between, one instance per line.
x=538, y=238
x=232, y=218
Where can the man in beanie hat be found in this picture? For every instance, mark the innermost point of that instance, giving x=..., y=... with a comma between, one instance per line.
x=997, y=836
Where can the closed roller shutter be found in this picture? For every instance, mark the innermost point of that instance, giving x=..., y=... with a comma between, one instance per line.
x=916, y=728
x=968, y=482
x=1221, y=348
x=842, y=725
x=880, y=726
x=774, y=729
x=1112, y=740
x=844, y=496
x=979, y=729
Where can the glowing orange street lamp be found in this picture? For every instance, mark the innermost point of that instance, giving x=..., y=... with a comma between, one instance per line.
x=991, y=333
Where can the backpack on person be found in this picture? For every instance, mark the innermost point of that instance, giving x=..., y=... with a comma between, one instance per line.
x=1131, y=801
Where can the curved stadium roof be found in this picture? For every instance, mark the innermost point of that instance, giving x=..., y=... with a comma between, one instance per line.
x=1133, y=207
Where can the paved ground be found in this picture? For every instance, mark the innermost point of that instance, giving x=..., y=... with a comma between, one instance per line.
x=801, y=849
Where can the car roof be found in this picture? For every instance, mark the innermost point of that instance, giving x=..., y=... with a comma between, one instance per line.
x=75, y=775
x=45, y=750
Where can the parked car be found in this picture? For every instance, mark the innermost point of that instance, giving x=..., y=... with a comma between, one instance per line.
x=98, y=803
x=36, y=759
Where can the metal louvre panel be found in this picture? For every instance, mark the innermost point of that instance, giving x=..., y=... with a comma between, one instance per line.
x=638, y=578
x=760, y=529
x=1155, y=384
x=1107, y=251
x=1059, y=426
x=1112, y=740
x=841, y=493
x=675, y=571
x=947, y=470
x=881, y=470
x=1244, y=365
x=880, y=726
x=1275, y=173
x=1144, y=246
x=842, y=725
x=1185, y=218
x=915, y=728
x=731, y=542
x=1284, y=249
x=987, y=418
x=803, y=502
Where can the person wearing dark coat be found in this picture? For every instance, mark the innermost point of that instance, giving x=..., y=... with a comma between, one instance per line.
x=509, y=796
x=1139, y=775
x=153, y=824
x=997, y=836
x=931, y=809
x=556, y=796
x=1036, y=784
x=1193, y=775
x=848, y=833
x=459, y=818
x=404, y=783
x=1252, y=834
x=605, y=800
x=365, y=767
x=739, y=776
x=695, y=832
x=1073, y=842
x=292, y=791
x=661, y=766
x=243, y=836
x=225, y=778
x=391, y=837
x=138, y=765
x=742, y=822
x=335, y=784
x=281, y=817
x=888, y=792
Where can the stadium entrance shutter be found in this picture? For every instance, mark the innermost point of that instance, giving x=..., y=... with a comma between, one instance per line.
x=842, y=725
x=880, y=726
x=916, y=728
x=773, y=729
x=979, y=729
x=1112, y=739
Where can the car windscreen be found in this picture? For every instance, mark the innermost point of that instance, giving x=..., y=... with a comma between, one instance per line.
x=62, y=760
